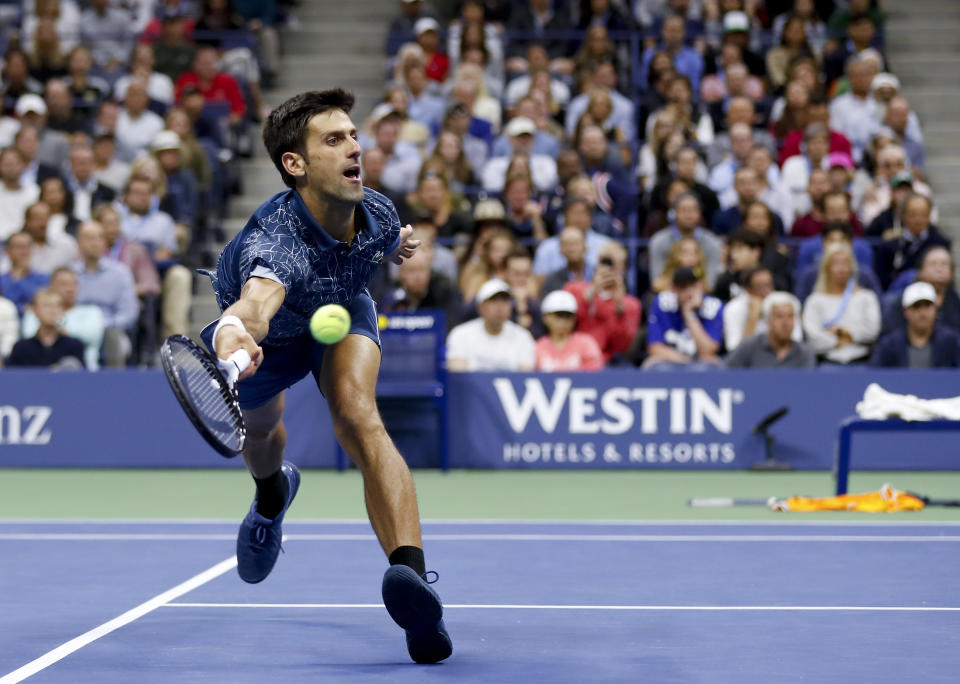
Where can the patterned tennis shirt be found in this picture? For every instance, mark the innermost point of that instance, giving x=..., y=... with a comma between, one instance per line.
x=284, y=242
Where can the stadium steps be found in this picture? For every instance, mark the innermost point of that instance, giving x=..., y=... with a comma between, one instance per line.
x=923, y=46
x=318, y=53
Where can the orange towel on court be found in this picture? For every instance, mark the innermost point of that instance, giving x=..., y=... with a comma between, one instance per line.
x=885, y=500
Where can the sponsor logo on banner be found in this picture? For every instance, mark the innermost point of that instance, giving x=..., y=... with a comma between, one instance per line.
x=407, y=322
x=25, y=426
x=637, y=421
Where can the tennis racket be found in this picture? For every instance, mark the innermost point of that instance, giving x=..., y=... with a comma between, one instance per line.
x=206, y=389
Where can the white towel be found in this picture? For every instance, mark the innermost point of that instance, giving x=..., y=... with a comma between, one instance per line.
x=878, y=404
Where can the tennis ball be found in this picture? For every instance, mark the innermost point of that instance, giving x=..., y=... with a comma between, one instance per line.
x=330, y=324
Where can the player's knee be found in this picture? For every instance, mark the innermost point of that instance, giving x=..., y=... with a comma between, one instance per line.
x=354, y=418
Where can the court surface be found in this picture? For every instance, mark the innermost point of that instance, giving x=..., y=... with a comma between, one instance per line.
x=792, y=600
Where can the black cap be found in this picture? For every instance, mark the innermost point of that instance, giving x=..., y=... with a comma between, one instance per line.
x=684, y=276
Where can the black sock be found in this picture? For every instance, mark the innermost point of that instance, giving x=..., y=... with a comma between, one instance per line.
x=411, y=556
x=271, y=494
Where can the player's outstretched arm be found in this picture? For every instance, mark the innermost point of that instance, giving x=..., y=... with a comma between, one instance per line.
x=259, y=300
x=407, y=246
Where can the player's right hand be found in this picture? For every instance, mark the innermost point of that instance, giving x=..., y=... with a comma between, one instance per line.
x=230, y=338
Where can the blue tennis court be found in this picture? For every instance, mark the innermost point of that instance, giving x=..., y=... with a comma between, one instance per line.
x=113, y=602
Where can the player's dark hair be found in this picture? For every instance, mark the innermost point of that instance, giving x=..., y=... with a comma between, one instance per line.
x=286, y=128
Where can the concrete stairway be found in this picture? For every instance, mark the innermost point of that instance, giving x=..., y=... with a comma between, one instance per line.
x=340, y=48
x=923, y=45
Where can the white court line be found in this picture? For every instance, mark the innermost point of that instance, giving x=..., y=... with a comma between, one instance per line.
x=65, y=649
x=626, y=538
x=785, y=522
x=521, y=606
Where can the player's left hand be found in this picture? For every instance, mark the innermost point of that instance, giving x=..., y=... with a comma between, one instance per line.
x=407, y=246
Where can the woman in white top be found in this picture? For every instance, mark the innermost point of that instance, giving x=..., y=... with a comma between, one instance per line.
x=840, y=319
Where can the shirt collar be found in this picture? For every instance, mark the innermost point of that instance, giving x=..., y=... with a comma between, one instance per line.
x=324, y=239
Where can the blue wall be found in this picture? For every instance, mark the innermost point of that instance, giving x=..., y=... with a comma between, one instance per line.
x=611, y=419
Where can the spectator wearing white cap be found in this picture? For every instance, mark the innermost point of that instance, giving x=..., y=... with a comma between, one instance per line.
x=492, y=342
x=401, y=26
x=564, y=349
x=181, y=183
x=520, y=132
x=437, y=64
x=52, y=147
x=922, y=342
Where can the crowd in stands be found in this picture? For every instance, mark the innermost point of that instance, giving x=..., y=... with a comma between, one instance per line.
x=661, y=184
x=120, y=128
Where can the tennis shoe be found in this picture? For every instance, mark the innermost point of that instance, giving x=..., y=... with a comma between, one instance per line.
x=416, y=607
x=258, y=542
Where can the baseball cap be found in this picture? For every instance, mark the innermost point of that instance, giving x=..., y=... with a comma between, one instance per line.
x=684, y=276
x=559, y=301
x=901, y=177
x=918, y=292
x=840, y=159
x=520, y=125
x=885, y=80
x=425, y=24
x=735, y=21
x=491, y=288
x=30, y=103
x=165, y=140
x=381, y=111
x=489, y=210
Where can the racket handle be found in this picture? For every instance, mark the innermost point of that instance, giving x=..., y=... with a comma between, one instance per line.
x=234, y=365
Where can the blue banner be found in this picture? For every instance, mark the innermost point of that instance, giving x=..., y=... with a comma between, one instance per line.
x=612, y=419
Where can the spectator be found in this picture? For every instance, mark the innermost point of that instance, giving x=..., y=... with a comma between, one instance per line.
x=685, y=326
x=423, y=105
x=922, y=342
x=108, y=170
x=743, y=315
x=576, y=214
x=622, y=116
x=109, y=285
x=436, y=63
x=537, y=62
x=19, y=283
x=854, y=114
x=182, y=196
x=841, y=319
x=401, y=159
x=795, y=176
x=535, y=19
x=434, y=199
x=744, y=251
x=891, y=172
x=736, y=31
x=684, y=253
x=573, y=248
x=902, y=251
x=83, y=322
x=159, y=85
x=741, y=142
x=487, y=260
x=173, y=50
x=49, y=347
x=691, y=120
x=905, y=129
x=401, y=26
x=817, y=112
x=771, y=193
x=808, y=259
x=687, y=223
x=87, y=90
x=9, y=326
x=86, y=190
x=44, y=151
x=686, y=60
x=46, y=56
x=524, y=214
x=15, y=195
x=860, y=38
x=746, y=190
x=193, y=156
x=491, y=342
x=137, y=126
x=740, y=110
x=762, y=221
x=604, y=309
x=518, y=274
x=17, y=80
x=839, y=20
x=543, y=169
x=419, y=286
x=563, y=348
x=456, y=169
x=142, y=222
x=53, y=193
x=216, y=86
x=108, y=33
x=778, y=347
x=261, y=21
x=834, y=207
x=936, y=268
x=48, y=252
x=793, y=44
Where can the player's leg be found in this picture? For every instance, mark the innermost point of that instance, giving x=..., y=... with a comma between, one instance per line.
x=258, y=541
x=348, y=379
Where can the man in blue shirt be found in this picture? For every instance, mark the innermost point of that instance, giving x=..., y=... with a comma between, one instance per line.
x=319, y=243
x=20, y=283
x=685, y=326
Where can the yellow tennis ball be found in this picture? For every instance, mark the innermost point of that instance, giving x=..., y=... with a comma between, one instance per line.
x=330, y=324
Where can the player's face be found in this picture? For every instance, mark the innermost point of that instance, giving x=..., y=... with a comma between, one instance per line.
x=333, y=157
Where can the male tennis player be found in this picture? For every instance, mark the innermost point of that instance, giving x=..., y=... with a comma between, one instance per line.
x=319, y=243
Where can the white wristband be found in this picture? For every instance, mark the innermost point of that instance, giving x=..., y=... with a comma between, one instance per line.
x=229, y=319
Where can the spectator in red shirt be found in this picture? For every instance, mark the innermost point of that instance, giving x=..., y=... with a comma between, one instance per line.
x=427, y=30
x=604, y=309
x=213, y=84
x=818, y=111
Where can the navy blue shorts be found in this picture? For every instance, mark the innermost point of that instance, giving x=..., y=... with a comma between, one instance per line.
x=287, y=365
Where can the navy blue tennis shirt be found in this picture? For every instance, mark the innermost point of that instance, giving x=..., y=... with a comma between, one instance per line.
x=284, y=239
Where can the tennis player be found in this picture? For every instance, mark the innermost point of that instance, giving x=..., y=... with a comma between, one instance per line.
x=319, y=243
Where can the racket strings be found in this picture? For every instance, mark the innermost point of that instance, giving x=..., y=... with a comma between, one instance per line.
x=209, y=394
